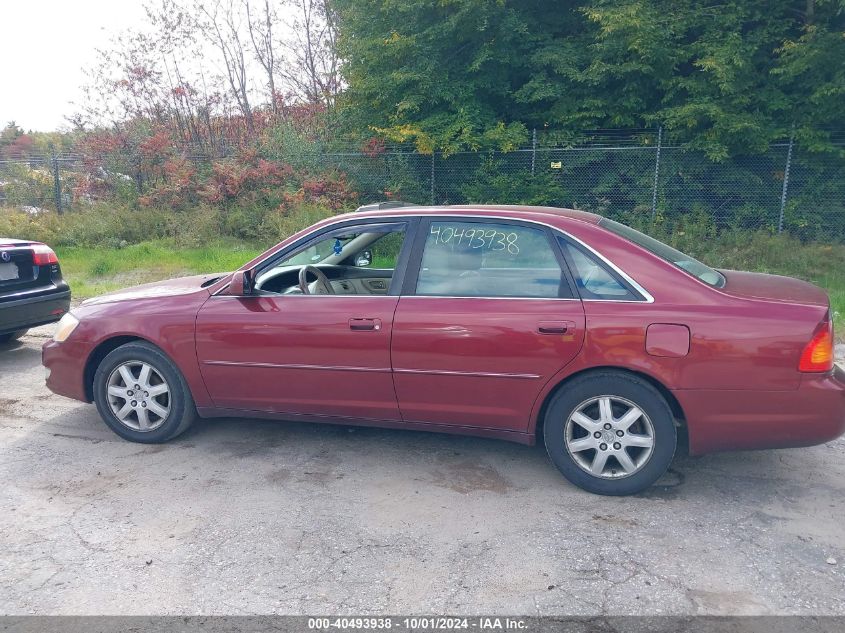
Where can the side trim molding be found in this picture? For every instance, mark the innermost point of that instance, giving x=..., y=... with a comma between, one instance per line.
x=382, y=370
x=227, y=363
x=472, y=374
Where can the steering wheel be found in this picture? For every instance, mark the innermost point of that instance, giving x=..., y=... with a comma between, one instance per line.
x=322, y=280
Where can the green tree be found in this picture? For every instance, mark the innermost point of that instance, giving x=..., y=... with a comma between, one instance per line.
x=10, y=134
x=439, y=73
x=726, y=78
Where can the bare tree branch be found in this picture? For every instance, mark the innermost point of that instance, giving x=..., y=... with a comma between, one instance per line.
x=222, y=29
x=311, y=66
x=261, y=34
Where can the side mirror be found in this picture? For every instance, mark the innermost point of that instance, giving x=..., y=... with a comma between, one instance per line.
x=241, y=284
x=363, y=259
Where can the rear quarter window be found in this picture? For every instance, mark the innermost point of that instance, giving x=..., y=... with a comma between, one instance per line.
x=593, y=278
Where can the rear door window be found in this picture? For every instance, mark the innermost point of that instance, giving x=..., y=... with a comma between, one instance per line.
x=487, y=259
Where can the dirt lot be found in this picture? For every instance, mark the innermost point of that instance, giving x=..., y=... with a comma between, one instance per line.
x=246, y=516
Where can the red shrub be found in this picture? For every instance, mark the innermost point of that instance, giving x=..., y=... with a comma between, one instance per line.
x=247, y=177
x=331, y=190
x=373, y=147
x=178, y=187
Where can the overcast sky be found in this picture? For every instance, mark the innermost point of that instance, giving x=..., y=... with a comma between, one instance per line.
x=44, y=44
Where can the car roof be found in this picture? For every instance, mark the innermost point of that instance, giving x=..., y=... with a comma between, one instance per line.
x=512, y=211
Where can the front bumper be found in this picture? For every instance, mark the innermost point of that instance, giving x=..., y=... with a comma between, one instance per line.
x=27, y=312
x=65, y=363
x=740, y=420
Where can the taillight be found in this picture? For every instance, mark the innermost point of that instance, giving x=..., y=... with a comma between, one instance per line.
x=818, y=354
x=43, y=255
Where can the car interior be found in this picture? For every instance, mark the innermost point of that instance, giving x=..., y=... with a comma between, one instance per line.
x=343, y=263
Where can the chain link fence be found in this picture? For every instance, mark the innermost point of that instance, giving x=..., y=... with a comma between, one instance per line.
x=635, y=178
x=35, y=183
x=781, y=190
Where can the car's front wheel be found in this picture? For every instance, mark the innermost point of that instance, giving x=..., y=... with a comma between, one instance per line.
x=610, y=432
x=141, y=394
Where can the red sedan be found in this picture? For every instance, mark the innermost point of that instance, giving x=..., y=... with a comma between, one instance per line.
x=506, y=322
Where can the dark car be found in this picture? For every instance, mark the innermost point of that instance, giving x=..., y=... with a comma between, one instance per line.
x=507, y=322
x=32, y=291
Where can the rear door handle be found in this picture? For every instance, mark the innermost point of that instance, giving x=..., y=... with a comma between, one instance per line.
x=361, y=325
x=555, y=327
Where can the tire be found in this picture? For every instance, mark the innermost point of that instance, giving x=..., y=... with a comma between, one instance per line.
x=143, y=423
x=578, y=411
x=12, y=336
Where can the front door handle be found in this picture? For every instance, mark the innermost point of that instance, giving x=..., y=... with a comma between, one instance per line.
x=362, y=325
x=555, y=327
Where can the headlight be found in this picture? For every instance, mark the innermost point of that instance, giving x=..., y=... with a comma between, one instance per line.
x=67, y=325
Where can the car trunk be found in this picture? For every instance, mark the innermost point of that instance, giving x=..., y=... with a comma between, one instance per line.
x=17, y=269
x=773, y=288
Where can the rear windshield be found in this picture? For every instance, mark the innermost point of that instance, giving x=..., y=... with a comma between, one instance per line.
x=684, y=262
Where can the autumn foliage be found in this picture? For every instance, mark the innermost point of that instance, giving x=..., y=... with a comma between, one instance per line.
x=157, y=168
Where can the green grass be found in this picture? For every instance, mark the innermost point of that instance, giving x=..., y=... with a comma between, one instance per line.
x=93, y=271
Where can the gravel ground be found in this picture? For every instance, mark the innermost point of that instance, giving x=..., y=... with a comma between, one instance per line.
x=248, y=516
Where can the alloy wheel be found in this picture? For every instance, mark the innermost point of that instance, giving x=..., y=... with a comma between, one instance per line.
x=609, y=437
x=139, y=396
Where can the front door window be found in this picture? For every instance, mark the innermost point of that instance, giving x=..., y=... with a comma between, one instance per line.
x=357, y=260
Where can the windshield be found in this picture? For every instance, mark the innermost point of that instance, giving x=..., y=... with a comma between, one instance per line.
x=319, y=252
x=684, y=262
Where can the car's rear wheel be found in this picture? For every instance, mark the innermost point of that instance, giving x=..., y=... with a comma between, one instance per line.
x=141, y=394
x=12, y=336
x=610, y=432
